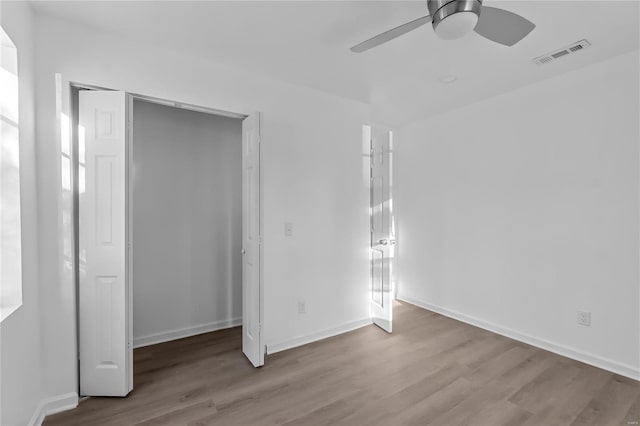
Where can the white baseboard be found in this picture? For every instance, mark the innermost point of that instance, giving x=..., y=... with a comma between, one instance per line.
x=52, y=405
x=595, y=360
x=166, y=336
x=313, y=337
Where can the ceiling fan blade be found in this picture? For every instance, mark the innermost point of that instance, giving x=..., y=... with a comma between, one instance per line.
x=391, y=34
x=502, y=26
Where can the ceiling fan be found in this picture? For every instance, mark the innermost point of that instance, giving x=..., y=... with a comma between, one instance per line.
x=452, y=19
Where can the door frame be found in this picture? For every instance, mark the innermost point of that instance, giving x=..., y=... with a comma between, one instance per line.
x=73, y=114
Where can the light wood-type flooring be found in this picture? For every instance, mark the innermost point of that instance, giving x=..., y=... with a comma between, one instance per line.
x=431, y=370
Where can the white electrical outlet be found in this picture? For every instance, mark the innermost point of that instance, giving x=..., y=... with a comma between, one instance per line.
x=584, y=318
x=302, y=307
x=288, y=229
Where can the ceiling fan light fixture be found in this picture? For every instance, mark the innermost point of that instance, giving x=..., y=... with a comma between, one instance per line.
x=456, y=25
x=453, y=19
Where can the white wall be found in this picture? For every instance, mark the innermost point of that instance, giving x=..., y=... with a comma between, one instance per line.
x=312, y=156
x=518, y=211
x=187, y=222
x=20, y=341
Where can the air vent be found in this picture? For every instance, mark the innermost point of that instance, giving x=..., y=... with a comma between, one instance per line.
x=557, y=54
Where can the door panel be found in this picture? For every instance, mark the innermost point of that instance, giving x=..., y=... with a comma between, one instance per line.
x=251, y=242
x=382, y=229
x=377, y=278
x=104, y=337
x=377, y=204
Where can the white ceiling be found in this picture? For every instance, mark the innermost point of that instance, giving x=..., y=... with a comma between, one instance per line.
x=307, y=43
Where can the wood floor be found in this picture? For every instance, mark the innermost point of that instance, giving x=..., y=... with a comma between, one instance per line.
x=431, y=370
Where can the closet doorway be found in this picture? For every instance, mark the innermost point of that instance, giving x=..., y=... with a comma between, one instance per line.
x=186, y=187
x=169, y=239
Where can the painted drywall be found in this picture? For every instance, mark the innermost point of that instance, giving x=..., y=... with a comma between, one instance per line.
x=187, y=222
x=519, y=211
x=21, y=347
x=312, y=177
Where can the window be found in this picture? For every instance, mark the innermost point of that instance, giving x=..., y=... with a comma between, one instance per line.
x=10, y=247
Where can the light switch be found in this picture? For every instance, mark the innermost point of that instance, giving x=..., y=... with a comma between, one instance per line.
x=288, y=229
